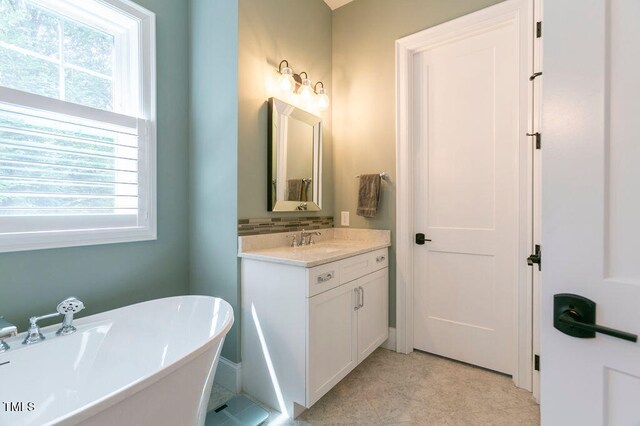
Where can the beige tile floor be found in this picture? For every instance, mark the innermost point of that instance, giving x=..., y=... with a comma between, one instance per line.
x=417, y=389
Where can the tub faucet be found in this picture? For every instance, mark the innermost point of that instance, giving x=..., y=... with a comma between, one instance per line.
x=6, y=330
x=67, y=307
x=34, y=335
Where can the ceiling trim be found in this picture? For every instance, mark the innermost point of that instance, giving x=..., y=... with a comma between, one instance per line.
x=334, y=4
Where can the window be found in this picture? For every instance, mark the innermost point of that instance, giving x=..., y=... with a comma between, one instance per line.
x=77, y=123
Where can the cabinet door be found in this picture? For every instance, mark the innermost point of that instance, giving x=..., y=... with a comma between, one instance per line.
x=332, y=351
x=373, y=316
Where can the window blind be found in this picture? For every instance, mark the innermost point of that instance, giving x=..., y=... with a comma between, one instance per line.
x=65, y=166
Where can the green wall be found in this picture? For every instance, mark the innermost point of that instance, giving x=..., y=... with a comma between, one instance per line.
x=364, y=35
x=214, y=156
x=114, y=275
x=270, y=31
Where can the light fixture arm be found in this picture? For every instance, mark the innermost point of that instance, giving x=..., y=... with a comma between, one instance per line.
x=316, y=85
x=280, y=65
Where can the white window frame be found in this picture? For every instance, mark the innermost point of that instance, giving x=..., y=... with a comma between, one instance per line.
x=80, y=230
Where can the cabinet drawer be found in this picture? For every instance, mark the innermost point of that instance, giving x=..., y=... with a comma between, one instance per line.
x=325, y=277
x=358, y=266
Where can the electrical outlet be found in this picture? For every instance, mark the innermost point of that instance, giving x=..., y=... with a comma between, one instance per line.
x=344, y=218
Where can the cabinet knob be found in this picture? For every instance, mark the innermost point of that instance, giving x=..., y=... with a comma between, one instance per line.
x=380, y=258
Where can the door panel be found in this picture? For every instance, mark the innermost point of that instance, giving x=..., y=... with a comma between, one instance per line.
x=450, y=294
x=623, y=149
x=332, y=337
x=466, y=196
x=461, y=152
x=373, y=316
x=621, y=398
x=590, y=208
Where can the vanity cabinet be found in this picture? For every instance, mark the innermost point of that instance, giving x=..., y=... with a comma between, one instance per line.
x=304, y=329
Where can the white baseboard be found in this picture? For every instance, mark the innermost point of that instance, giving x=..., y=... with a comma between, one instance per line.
x=390, y=343
x=228, y=375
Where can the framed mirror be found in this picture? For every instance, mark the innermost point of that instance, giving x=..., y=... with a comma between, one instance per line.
x=294, y=159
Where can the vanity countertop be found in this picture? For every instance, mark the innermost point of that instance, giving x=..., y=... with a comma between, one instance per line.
x=334, y=244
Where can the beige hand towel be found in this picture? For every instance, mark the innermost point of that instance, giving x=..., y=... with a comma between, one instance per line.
x=368, y=195
x=306, y=185
x=294, y=189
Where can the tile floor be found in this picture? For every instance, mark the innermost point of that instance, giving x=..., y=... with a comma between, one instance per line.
x=417, y=389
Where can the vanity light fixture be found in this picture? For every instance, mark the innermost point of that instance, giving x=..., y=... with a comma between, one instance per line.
x=300, y=84
x=287, y=82
x=305, y=91
x=322, y=101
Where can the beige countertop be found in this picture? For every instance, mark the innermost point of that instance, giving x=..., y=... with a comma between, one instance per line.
x=334, y=244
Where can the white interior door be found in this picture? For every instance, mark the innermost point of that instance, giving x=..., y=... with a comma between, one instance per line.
x=591, y=208
x=536, y=127
x=468, y=127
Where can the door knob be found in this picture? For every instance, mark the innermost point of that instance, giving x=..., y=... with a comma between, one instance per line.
x=576, y=316
x=420, y=239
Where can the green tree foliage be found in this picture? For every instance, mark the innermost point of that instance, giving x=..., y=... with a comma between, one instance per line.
x=48, y=54
x=38, y=45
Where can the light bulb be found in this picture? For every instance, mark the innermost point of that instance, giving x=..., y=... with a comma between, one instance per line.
x=286, y=83
x=306, y=92
x=322, y=101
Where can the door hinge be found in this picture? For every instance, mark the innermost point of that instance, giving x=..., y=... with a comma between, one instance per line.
x=536, y=362
x=536, y=258
x=538, y=139
x=538, y=29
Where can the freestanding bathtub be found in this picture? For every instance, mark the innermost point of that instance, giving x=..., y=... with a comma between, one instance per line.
x=146, y=364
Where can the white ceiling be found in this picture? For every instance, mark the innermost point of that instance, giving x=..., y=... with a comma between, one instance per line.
x=334, y=4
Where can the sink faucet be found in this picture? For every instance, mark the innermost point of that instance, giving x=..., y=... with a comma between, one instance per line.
x=67, y=307
x=306, y=237
x=6, y=330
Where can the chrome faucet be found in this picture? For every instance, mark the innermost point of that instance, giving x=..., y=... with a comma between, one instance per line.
x=6, y=330
x=306, y=237
x=34, y=335
x=67, y=307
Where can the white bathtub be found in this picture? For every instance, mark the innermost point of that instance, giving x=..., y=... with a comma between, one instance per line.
x=146, y=364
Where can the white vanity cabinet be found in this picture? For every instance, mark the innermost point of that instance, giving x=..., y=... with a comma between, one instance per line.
x=304, y=329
